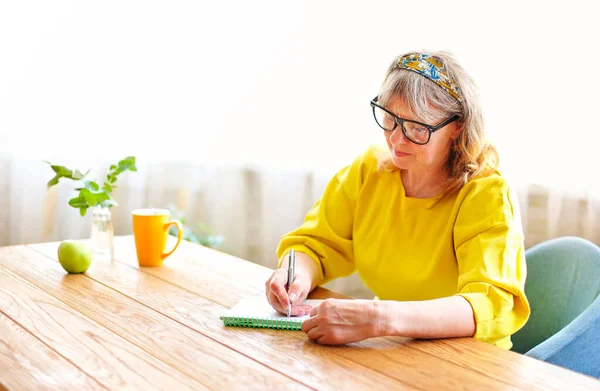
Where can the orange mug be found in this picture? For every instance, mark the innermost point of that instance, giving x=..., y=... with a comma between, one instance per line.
x=150, y=231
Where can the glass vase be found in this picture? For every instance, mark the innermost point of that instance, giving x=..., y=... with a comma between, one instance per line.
x=102, y=234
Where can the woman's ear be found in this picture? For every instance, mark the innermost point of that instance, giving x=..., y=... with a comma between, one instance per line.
x=458, y=128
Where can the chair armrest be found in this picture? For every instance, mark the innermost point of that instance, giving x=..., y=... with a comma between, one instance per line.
x=577, y=345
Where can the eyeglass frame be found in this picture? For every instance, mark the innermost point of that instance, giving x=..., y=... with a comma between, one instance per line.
x=400, y=121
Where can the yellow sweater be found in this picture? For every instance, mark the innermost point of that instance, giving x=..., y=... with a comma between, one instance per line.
x=403, y=248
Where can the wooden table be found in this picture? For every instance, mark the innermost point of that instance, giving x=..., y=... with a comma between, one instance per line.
x=119, y=326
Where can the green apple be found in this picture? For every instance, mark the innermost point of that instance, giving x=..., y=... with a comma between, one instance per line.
x=74, y=257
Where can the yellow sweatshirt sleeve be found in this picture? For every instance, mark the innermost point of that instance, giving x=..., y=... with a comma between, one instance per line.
x=488, y=239
x=326, y=234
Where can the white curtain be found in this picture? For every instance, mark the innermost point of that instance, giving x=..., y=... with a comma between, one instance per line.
x=252, y=208
x=239, y=112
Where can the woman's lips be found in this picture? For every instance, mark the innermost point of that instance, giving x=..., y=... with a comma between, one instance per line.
x=400, y=154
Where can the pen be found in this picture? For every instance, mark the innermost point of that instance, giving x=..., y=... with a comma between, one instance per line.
x=291, y=271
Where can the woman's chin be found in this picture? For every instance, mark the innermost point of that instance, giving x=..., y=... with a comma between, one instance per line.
x=400, y=162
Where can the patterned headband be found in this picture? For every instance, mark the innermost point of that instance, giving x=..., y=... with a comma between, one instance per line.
x=433, y=69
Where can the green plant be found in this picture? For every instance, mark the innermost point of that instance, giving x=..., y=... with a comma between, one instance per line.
x=90, y=192
x=202, y=234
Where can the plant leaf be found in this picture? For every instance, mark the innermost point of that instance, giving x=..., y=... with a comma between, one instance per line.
x=53, y=181
x=77, y=175
x=92, y=186
x=127, y=163
x=94, y=198
x=88, y=196
x=109, y=203
x=78, y=202
x=62, y=171
x=82, y=211
x=107, y=187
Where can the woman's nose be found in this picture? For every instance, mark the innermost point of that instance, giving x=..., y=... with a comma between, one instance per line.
x=398, y=137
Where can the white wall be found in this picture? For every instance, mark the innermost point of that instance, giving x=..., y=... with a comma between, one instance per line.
x=221, y=80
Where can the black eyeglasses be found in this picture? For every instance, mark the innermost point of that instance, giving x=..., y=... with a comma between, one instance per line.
x=417, y=132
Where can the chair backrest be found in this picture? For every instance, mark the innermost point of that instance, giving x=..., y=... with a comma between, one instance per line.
x=563, y=279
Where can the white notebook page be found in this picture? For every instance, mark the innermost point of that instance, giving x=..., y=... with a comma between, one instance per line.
x=258, y=307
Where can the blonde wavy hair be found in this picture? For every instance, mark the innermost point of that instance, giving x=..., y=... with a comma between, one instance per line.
x=471, y=153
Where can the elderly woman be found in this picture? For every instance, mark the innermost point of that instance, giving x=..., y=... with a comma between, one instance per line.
x=429, y=224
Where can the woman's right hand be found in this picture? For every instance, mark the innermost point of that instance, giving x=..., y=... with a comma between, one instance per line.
x=280, y=298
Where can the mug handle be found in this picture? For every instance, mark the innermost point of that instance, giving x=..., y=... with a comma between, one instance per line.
x=179, y=236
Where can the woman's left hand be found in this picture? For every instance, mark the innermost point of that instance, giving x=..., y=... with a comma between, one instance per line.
x=337, y=322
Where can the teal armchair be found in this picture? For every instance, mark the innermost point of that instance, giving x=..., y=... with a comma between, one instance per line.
x=563, y=289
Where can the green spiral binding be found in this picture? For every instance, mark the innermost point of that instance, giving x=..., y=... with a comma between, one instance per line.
x=279, y=324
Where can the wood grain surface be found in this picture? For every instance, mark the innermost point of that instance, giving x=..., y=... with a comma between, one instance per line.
x=119, y=326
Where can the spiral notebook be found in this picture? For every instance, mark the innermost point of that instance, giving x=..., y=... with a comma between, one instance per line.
x=256, y=312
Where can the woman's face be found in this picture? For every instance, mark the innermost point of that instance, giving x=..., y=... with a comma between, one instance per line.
x=409, y=156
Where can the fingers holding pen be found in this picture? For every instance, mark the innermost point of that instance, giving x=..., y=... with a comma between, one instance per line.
x=280, y=299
